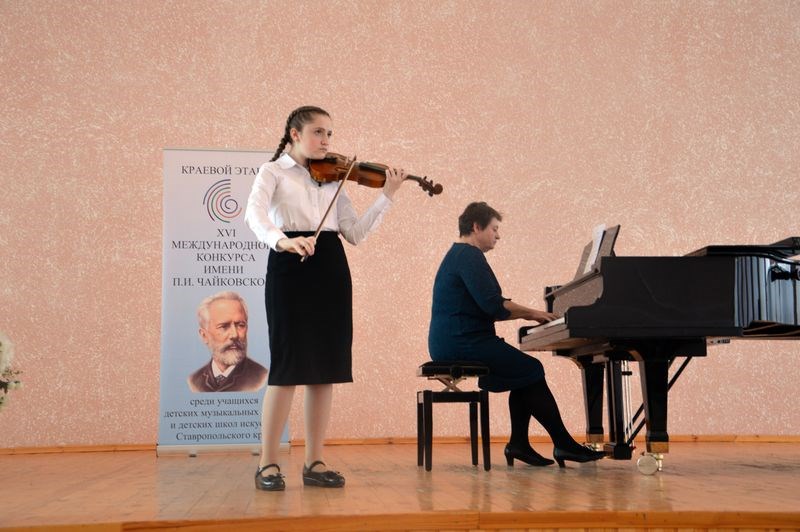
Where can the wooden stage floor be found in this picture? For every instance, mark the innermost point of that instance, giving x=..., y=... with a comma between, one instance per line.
x=703, y=486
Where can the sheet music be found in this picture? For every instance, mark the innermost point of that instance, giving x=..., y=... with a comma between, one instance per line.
x=597, y=239
x=582, y=264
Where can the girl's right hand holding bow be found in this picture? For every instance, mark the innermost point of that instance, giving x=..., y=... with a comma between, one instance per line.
x=302, y=245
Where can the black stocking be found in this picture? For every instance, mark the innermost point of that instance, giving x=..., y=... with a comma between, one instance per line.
x=540, y=403
x=520, y=414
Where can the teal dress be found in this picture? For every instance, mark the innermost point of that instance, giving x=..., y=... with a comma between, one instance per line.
x=467, y=300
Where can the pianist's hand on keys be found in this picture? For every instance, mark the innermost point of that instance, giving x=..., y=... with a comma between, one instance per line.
x=525, y=313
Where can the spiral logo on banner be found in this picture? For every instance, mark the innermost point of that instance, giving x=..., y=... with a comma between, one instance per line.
x=219, y=203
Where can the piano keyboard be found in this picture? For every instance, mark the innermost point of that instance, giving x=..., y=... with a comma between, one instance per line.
x=542, y=327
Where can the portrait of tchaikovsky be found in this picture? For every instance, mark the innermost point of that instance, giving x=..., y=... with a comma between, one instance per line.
x=222, y=318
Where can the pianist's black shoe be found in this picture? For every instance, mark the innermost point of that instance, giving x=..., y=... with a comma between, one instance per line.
x=529, y=456
x=578, y=454
x=323, y=479
x=272, y=482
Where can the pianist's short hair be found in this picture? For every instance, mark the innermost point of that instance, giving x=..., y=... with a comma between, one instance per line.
x=477, y=212
x=202, y=310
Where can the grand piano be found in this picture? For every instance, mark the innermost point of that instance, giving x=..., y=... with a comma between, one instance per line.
x=653, y=310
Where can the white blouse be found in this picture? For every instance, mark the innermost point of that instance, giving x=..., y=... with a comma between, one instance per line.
x=285, y=197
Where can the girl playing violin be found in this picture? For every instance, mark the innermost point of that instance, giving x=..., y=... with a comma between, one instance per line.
x=308, y=302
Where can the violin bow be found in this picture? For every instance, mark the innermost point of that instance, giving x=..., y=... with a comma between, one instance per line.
x=325, y=217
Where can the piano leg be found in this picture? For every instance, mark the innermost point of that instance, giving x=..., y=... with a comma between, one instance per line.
x=654, y=359
x=654, y=374
x=593, y=399
x=618, y=446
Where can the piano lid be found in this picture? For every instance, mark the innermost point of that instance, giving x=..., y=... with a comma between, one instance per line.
x=783, y=249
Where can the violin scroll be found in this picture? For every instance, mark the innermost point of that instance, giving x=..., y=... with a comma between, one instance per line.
x=427, y=185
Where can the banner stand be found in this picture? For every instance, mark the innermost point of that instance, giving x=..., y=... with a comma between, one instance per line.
x=214, y=341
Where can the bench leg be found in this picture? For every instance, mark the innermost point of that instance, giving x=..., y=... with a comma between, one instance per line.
x=485, y=439
x=420, y=430
x=473, y=431
x=428, y=422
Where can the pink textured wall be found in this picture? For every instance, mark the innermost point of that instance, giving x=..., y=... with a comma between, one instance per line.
x=680, y=121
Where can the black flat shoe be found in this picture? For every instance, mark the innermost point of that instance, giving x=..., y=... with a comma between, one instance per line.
x=584, y=454
x=272, y=482
x=529, y=456
x=323, y=479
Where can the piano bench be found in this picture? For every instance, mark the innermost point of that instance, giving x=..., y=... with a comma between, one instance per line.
x=451, y=373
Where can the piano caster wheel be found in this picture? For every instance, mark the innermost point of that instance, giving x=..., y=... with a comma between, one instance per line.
x=649, y=464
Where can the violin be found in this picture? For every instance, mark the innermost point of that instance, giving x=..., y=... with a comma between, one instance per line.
x=335, y=167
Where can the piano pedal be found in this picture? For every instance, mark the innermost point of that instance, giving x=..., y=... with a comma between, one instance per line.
x=594, y=446
x=650, y=463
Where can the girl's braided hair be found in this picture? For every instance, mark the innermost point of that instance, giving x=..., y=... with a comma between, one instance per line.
x=297, y=119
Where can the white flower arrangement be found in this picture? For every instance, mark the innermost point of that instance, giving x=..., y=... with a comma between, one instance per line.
x=8, y=376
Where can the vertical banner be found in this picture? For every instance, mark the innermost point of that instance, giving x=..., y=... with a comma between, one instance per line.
x=214, y=358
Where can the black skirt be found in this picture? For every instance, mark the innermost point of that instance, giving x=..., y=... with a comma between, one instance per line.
x=310, y=314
